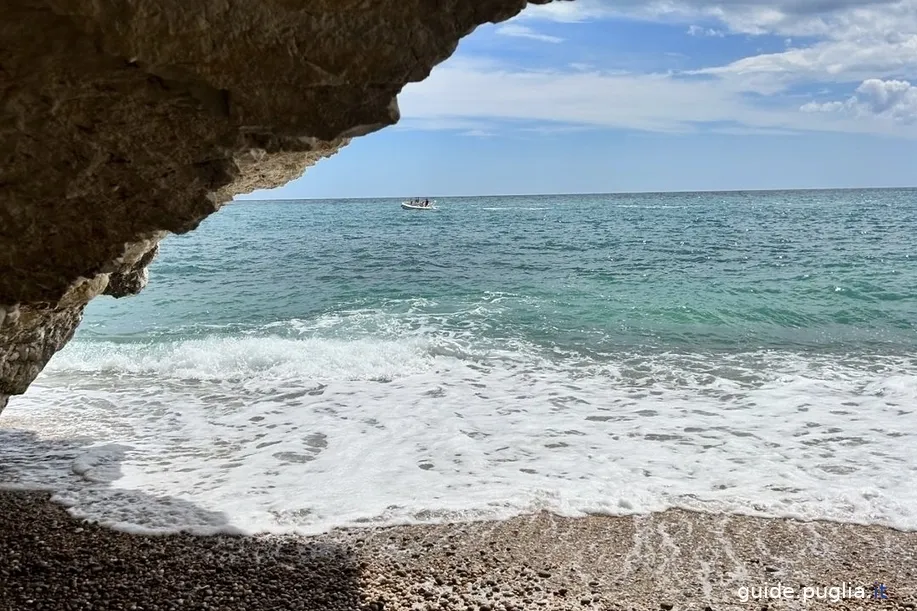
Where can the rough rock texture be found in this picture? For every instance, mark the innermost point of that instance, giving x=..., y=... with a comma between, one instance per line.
x=121, y=121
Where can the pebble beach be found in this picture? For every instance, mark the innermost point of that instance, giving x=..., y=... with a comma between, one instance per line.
x=668, y=561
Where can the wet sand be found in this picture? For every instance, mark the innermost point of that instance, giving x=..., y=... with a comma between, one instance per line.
x=671, y=560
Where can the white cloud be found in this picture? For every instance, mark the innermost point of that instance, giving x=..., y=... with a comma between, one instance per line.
x=856, y=39
x=565, y=11
x=696, y=30
x=787, y=17
x=521, y=31
x=843, y=59
x=872, y=42
x=822, y=18
x=875, y=98
x=463, y=92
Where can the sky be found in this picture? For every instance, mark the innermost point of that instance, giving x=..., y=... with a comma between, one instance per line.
x=595, y=96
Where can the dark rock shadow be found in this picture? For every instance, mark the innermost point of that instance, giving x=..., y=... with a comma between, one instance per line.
x=50, y=560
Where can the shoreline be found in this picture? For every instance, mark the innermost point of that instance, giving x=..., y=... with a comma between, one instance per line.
x=671, y=560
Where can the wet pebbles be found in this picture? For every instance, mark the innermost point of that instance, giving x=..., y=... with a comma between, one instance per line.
x=670, y=561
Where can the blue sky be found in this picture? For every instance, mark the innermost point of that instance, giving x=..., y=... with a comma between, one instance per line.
x=627, y=95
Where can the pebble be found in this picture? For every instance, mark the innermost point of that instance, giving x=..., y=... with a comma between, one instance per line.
x=49, y=561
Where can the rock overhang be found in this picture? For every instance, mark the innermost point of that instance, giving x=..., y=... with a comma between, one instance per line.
x=121, y=122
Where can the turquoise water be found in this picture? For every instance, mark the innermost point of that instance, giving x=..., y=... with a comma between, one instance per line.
x=820, y=270
x=723, y=351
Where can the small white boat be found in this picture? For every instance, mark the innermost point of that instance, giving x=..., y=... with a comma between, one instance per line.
x=419, y=206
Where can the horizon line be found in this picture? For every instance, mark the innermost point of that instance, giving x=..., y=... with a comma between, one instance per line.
x=672, y=192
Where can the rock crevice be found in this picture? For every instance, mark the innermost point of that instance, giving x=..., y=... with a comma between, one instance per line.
x=121, y=122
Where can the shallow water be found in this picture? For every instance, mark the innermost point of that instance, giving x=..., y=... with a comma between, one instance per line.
x=302, y=365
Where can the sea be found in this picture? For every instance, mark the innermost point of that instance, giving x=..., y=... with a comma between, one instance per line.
x=296, y=366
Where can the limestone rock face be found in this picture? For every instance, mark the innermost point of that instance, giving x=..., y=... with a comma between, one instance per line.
x=123, y=121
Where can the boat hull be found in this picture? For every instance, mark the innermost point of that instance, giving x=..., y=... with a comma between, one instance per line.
x=407, y=206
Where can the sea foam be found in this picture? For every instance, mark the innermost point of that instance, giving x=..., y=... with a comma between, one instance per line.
x=295, y=367
x=267, y=433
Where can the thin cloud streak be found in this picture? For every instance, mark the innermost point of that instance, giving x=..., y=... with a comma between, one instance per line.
x=521, y=31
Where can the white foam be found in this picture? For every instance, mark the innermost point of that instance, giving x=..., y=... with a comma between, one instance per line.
x=234, y=358
x=99, y=464
x=301, y=435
